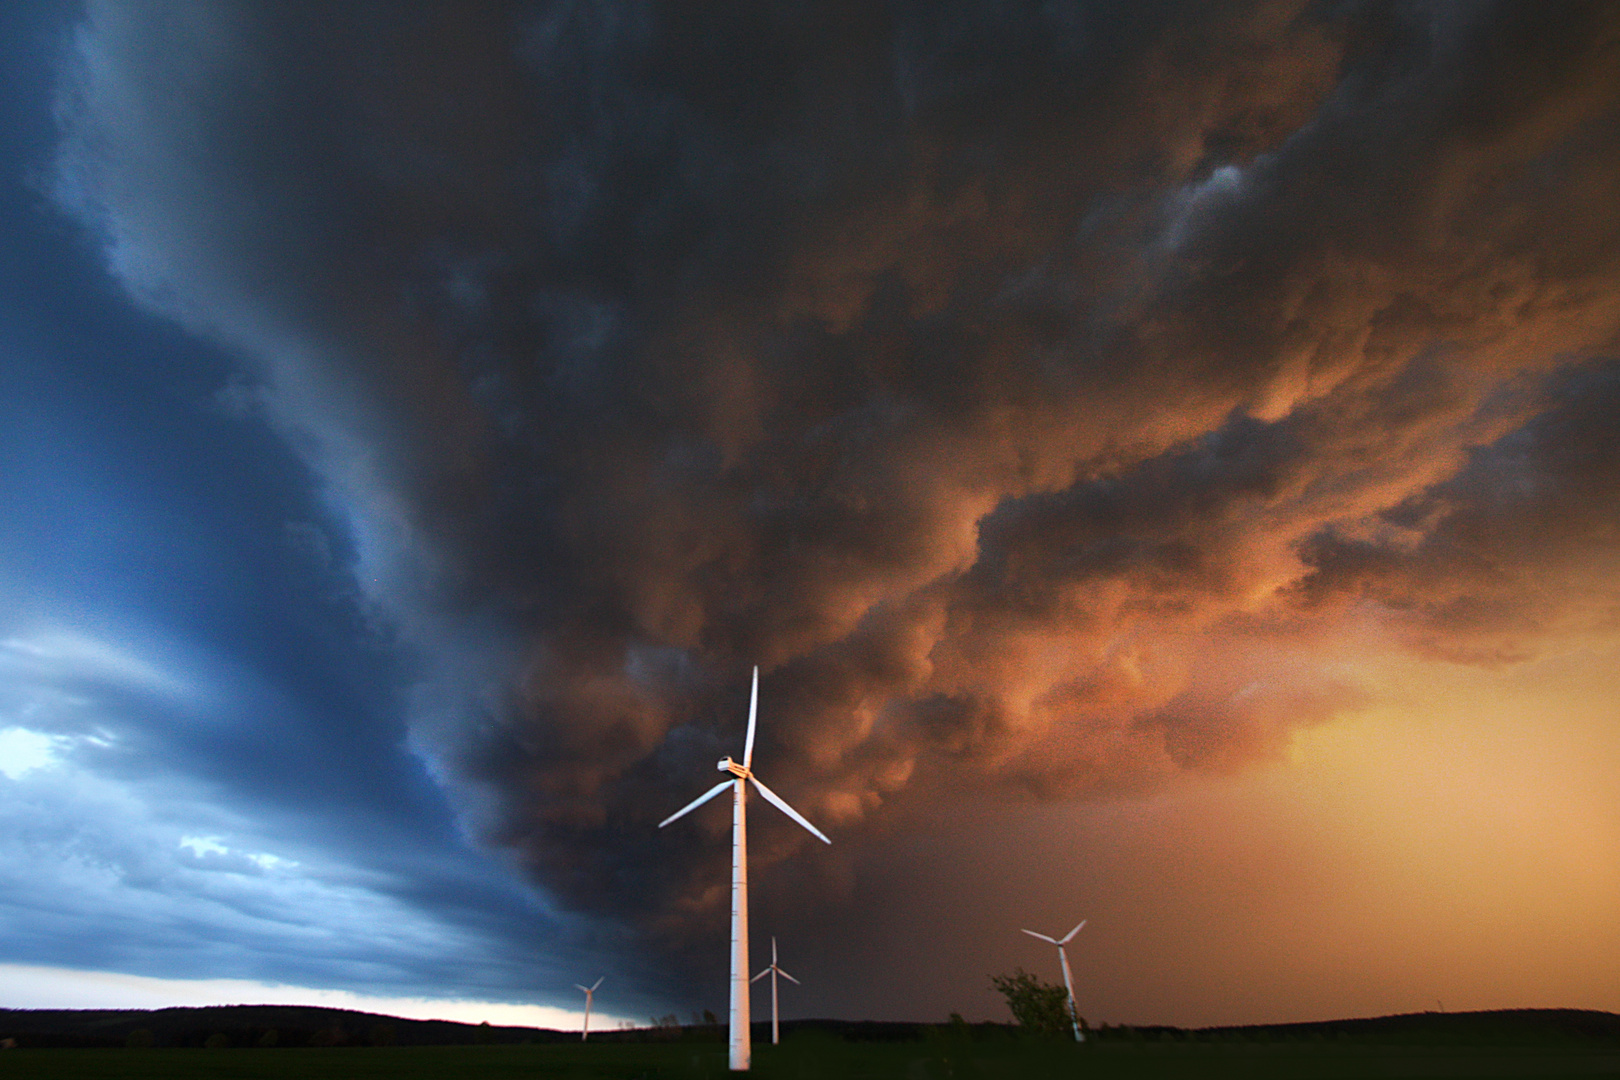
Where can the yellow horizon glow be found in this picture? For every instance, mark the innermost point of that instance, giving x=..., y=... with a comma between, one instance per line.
x=24, y=986
x=1455, y=843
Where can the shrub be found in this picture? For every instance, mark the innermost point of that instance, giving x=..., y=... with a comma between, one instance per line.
x=1037, y=1006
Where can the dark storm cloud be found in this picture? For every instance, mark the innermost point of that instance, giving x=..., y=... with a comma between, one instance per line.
x=1019, y=385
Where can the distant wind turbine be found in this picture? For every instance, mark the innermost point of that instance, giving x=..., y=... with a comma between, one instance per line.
x=1068, y=982
x=741, y=1046
x=773, y=971
x=589, y=991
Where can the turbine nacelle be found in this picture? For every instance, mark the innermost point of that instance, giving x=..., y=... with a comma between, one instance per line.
x=727, y=765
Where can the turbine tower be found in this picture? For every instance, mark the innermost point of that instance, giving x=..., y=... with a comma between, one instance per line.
x=741, y=776
x=773, y=971
x=1068, y=982
x=589, y=991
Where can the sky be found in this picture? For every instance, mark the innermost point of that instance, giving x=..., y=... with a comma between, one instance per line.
x=1164, y=459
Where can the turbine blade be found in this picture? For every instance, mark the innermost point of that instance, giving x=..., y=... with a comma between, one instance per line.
x=753, y=713
x=1043, y=937
x=760, y=976
x=776, y=800
x=788, y=977
x=697, y=802
x=597, y=983
x=1070, y=935
x=579, y=987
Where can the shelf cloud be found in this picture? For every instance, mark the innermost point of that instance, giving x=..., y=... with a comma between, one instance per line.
x=1043, y=395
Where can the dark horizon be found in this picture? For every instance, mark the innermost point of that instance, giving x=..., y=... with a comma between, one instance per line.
x=1591, y=1022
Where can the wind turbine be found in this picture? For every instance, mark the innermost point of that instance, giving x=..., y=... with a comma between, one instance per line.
x=1068, y=982
x=741, y=1046
x=773, y=971
x=589, y=990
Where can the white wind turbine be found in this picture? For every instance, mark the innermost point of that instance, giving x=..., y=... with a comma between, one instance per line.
x=1068, y=982
x=741, y=1047
x=773, y=971
x=589, y=992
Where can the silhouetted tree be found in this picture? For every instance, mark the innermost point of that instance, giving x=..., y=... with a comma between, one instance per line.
x=1037, y=1006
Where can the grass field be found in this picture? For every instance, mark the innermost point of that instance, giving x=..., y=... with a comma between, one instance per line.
x=813, y=1058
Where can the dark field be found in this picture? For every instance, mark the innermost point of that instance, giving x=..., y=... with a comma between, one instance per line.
x=812, y=1056
x=317, y=1044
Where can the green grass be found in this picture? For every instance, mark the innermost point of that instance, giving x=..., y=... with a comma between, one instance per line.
x=814, y=1057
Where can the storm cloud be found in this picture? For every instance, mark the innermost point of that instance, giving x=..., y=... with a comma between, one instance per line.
x=1038, y=393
